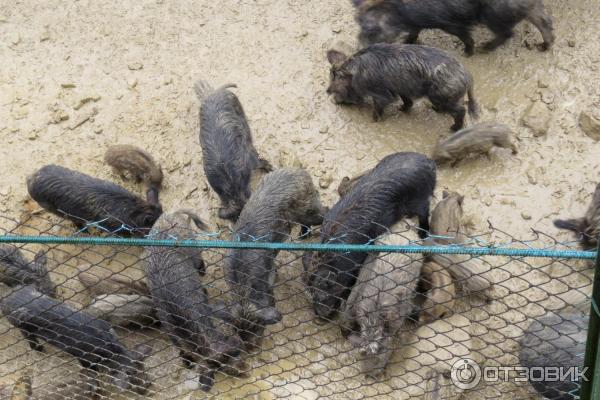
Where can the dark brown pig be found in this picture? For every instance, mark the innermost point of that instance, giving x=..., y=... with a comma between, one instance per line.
x=183, y=309
x=230, y=160
x=285, y=197
x=401, y=185
x=92, y=341
x=84, y=199
x=388, y=72
x=385, y=20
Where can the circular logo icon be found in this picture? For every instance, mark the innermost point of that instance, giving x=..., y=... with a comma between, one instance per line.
x=465, y=374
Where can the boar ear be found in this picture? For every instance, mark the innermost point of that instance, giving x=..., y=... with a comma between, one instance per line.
x=336, y=58
x=142, y=351
x=461, y=198
x=445, y=194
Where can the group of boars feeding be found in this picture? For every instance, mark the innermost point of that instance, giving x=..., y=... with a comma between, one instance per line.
x=373, y=294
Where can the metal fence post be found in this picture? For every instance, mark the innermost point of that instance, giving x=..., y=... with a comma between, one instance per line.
x=590, y=387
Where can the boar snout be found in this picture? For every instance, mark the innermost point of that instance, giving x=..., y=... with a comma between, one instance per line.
x=268, y=316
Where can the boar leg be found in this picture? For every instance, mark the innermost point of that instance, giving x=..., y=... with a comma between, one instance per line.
x=412, y=37
x=465, y=36
x=33, y=341
x=503, y=33
x=379, y=104
x=424, y=223
x=543, y=22
x=458, y=112
x=407, y=104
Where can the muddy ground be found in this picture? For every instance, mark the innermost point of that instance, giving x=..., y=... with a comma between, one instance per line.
x=78, y=76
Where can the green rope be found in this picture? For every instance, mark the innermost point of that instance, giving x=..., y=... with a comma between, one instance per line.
x=332, y=247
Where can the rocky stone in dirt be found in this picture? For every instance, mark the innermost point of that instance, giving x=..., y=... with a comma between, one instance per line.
x=57, y=114
x=132, y=83
x=83, y=118
x=86, y=99
x=45, y=35
x=67, y=85
x=537, y=118
x=135, y=66
x=590, y=123
x=325, y=181
x=544, y=81
x=526, y=216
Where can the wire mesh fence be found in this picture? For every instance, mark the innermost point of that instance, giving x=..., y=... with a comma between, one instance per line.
x=189, y=313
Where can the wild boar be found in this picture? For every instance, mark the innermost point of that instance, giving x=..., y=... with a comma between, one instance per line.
x=84, y=199
x=92, y=341
x=229, y=157
x=387, y=72
x=284, y=197
x=385, y=20
x=401, y=185
x=15, y=270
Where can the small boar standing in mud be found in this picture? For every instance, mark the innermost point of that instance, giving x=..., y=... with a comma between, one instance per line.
x=284, y=197
x=446, y=219
x=401, y=185
x=185, y=315
x=586, y=227
x=476, y=139
x=380, y=302
x=386, y=72
x=230, y=160
x=15, y=270
x=84, y=199
x=385, y=20
x=92, y=341
x=128, y=160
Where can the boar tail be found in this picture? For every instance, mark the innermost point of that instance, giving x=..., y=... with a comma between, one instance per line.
x=204, y=89
x=569, y=224
x=472, y=106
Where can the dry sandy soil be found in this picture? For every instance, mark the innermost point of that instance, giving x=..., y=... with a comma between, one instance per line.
x=76, y=77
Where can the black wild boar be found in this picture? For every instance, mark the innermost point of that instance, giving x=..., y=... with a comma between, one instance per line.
x=386, y=72
x=84, y=199
x=92, y=341
x=556, y=339
x=284, y=197
x=184, y=312
x=228, y=154
x=476, y=139
x=385, y=20
x=15, y=270
x=178, y=226
x=139, y=165
x=588, y=226
x=380, y=302
x=401, y=185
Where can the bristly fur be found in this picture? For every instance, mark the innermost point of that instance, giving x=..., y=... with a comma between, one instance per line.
x=388, y=72
x=84, y=199
x=401, y=185
x=283, y=198
x=15, y=270
x=229, y=157
x=384, y=20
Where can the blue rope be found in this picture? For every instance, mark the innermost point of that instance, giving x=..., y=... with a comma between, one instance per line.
x=332, y=247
